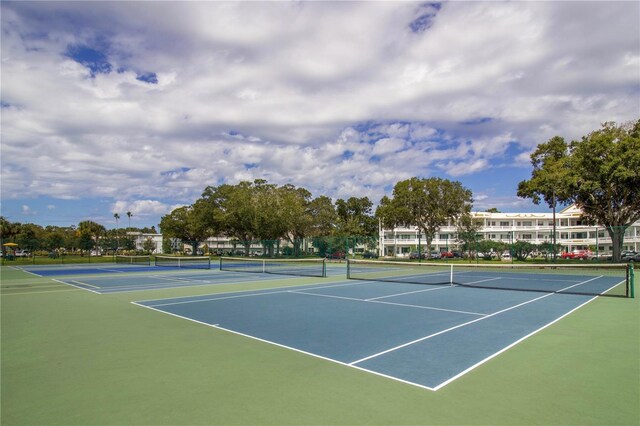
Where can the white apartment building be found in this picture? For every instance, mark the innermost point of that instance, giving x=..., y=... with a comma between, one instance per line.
x=510, y=227
x=505, y=227
x=139, y=240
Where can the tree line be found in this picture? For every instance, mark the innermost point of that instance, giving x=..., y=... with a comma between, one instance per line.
x=260, y=211
x=86, y=236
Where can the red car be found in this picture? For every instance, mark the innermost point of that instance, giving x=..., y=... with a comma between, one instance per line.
x=578, y=254
x=336, y=255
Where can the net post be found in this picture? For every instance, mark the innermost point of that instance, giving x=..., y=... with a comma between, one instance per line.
x=264, y=266
x=631, y=281
x=324, y=268
x=451, y=274
x=348, y=269
x=220, y=263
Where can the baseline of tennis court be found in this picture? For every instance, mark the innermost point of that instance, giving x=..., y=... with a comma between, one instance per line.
x=424, y=335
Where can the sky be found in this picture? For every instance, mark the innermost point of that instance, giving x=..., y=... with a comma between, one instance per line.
x=115, y=107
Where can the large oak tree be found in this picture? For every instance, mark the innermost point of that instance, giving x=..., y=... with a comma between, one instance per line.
x=599, y=173
x=427, y=204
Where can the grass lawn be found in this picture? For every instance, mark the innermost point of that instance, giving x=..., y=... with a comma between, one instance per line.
x=74, y=357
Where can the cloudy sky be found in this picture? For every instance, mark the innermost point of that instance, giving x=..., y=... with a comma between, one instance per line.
x=138, y=106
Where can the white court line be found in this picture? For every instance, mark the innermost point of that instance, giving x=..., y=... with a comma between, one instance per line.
x=410, y=292
x=24, y=286
x=16, y=268
x=178, y=279
x=517, y=278
x=386, y=303
x=72, y=285
x=481, y=281
x=3, y=294
x=264, y=292
x=462, y=373
x=216, y=326
x=375, y=372
x=461, y=325
x=181, y=284
x=89, y=285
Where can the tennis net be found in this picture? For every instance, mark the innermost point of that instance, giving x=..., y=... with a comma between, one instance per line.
x=193, y=262
x=585, y=279
x=298, y=267
x=133, y=260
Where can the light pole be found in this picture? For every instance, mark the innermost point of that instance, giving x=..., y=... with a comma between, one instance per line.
x=419, y=247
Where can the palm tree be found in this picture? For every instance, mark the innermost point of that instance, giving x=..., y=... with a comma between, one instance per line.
x=117, y=216
x=129, y=214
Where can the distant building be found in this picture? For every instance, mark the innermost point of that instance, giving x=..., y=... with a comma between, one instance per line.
x=139, y=240
x=535, y=228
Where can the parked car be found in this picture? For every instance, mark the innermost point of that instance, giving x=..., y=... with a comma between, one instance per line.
x=578, y=254
x=447, y=255
x=336, y=255
x=435, y=255
x=22, y=253
x=370, y=255
x=628, y=255
x=416, y=255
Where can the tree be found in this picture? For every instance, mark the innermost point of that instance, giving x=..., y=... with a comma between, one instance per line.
x=232, y=210
x=296, y=214
x=355, y=217
x=468, y=236
x=270, y=224
x=129, y=214
x=522, y=249
x=149, y=245
x=323, y=216
x=492, y=210
x=117, y=217
x=426, y=204
x=550, y=177
x=600, y=174
x=8, y=230
x=54, y=240
x=548, y=248
x=30, y=236
x=185, y=224
x=90, y=233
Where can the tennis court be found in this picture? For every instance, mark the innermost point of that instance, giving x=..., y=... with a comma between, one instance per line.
x=424, y=335
x=139, y=273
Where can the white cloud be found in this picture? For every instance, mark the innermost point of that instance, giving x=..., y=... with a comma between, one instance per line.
x=335, y=97
x=142, y=208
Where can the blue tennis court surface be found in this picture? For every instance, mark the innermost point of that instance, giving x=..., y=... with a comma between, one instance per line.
x=422, y=335
x=115, y=278
x=79, y=269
